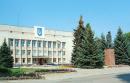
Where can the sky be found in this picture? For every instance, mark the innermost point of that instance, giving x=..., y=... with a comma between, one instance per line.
x=103, y=15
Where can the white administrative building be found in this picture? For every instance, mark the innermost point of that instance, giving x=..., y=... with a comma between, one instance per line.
x=37, y=45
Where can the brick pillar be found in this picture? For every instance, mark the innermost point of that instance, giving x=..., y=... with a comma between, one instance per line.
x=109, y=58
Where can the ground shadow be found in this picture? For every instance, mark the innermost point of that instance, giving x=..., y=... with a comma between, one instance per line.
x=124, y=77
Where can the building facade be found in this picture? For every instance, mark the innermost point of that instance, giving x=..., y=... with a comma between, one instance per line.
x=29, y=47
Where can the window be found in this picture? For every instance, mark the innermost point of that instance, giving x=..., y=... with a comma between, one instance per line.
x=54, y=59
x=64, y=59
x=23, y=60
x=23, y=52
x=34, y=60
x=28, y=52
x=11, y=31
x=44, y=44
x=17, y=52
x=34, y=43
x=49, y=53
x=54, y=53
x=39, y=43
x=10, y=42
x=28, y=43
x=59, y=45
x=49, y=60
x=34, y=53
x=29, y=60
x=54, y=44
x=16, y=42
x=49, y=44
x=45, y=53
x=59, y=59
x=40, y=52
x=63, y=53
x=63, y=44
x=59, y=53
x=22, y=43
x=16, y=60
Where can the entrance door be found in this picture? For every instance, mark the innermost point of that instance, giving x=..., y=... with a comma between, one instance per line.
x=40, y=61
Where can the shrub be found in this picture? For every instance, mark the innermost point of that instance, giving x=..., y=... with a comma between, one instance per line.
x=17, y=72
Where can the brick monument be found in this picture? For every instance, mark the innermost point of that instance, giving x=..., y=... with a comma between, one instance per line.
x=109, y=58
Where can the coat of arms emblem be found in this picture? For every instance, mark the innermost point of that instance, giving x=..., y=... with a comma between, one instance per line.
x=39, y=31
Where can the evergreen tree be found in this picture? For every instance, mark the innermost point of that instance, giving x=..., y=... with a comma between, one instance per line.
x=78, y=50
x=93, y=55
x=100, y=52
x=103, y=42
x=121, y=46
x=109, y=40
x=6, y=60
x=127, y=35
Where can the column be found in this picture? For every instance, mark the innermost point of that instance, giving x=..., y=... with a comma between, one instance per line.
x=31, y=54
x=47, y=51
x=61, y=54
x=26, y=52
x=37, y=55
x=19, y=46
x=52, y=52
x=14, y=52
x=57, y=49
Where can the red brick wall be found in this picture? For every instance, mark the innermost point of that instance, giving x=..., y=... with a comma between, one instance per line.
x=109, y=58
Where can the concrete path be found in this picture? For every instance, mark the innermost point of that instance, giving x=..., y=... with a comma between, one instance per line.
x=87, y=72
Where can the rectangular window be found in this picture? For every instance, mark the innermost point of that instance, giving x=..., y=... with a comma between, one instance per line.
x=59, y=53
x=23, y=52
x=63, y=53
x=28, y=52
x=34, y=43
x=54, y=44
x=29, y=60
x=54, y=53
x=59, y=59
x=10, y=42
x=49, y=44
x=16, y=60
x=49, y=53
x=28, y=43
x=34, y=60
x=34, y=53
x=17, y=52
x=54, y=59
x=16, y=42
x=40, y=52
x=23, y=60
x=22, y=43
x=64, y=59
x=39, y=43
x=45, y=53
x=44, y=44
x=63, y=45
x=59, y=45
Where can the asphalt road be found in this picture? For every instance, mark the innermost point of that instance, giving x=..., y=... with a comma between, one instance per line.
x=109, y=78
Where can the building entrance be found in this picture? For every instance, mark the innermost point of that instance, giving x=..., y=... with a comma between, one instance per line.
x=42, y=61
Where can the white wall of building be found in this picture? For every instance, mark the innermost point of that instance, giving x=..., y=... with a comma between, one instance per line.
x=27, y=33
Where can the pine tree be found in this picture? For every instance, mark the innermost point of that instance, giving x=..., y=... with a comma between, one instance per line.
x=109, y=40
x=78, y=50
x=6, y=60
x=121, y=46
